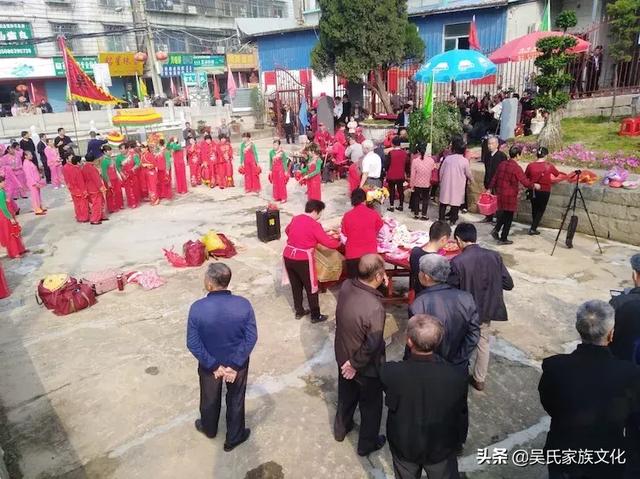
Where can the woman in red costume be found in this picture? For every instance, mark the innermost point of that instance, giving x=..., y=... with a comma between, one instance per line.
x=208, y=161
x=311, y=174
x=249, y=165
x=148, y=162
x=179, y=165
x=278, y=171
x=193, y=159
x=224, y=166
x=9, y=227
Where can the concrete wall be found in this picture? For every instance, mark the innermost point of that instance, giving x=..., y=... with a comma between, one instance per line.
x=600, y=106
x=615, y=212
x=4, y=474
x=521, y=17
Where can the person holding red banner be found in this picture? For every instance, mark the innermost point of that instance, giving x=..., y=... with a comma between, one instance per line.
x=112, y=180
x=322, y=138
x=208, y=161
x=9, y=227
x=95, y=190
x=179, y=165
x=249, y=165
x=163, y=159
x=149, y=166
x=128, y=164
x=193, y=159
x=278, y=171
x=72, y=172
x=225, y=151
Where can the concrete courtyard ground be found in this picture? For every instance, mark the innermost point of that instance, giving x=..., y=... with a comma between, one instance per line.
x=112, y=392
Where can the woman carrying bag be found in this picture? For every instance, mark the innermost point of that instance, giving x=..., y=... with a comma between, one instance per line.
x=540, y=171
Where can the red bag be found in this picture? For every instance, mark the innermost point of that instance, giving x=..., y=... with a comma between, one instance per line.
x=228, y=251
x=174, y=258
x=487, y=204
x=435, y=176
x=102, y=281
x=69, y=298
x=15, y=229
x=194, y=253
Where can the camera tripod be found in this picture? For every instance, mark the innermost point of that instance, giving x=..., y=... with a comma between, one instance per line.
x=573, y=222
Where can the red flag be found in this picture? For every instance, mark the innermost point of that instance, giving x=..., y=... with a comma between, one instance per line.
x=216, y=88
x=488, y=80
x=231, y=84
x=81, y=86
x=474, y=42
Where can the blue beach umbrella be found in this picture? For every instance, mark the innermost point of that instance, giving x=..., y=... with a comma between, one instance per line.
x=456, y=65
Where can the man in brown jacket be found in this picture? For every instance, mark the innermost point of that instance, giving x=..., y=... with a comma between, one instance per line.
x=360, y=351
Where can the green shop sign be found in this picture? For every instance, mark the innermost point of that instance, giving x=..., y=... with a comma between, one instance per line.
x=86, y=63
x=16, y=31
x=206, y=62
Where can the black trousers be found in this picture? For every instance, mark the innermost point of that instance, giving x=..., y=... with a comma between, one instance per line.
x=211, y=400
x=421, y=200
x=396, y=186
x=365, y=393
x=298, y=272
x=539, y=200
x=453, y=213
x=352, y=267
x=447, y=469
x=288, y=132
x=45, y=167
x=505, y=218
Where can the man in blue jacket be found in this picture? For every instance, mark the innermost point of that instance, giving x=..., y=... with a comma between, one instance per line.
x=221, y=333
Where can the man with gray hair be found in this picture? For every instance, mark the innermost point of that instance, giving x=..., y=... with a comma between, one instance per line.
x=626, y=338
x=423, y=427
x=455, y=309
x=591, y=397
x=371, y=166
x=221, y=333
x=491, y=157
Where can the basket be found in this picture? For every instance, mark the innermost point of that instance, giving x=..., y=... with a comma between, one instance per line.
x=487, y=204
x=328, y=264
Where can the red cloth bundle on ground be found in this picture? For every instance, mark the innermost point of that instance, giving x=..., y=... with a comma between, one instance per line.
x=228, y=251
x=174, y=258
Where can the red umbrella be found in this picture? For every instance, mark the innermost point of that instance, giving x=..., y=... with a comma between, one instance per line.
x=524, y=48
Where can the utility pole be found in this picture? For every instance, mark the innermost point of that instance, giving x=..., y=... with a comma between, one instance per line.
x=140, y=17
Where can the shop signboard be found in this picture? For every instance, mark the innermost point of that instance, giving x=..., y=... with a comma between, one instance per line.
x=16, y=31
x=24, y=68
x=190, y=79
x=121, y=64
x=242, y=61
x=177, y=64
x=86, y=62
x=212, y=64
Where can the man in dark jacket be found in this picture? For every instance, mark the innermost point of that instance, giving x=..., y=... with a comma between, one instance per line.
x=427, y=399
x=360, y=351
x=27, y=144
x=455, y=309
x=626, y=336
x=221, y=334
x=491, y=157
x=590, y=396
x=42, y=144
x=482, y=273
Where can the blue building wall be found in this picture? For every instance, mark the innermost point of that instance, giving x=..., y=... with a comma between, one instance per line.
x=291, y=50
x=491, y=24
x=57, y=94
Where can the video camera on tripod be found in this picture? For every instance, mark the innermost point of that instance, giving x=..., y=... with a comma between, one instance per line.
x=573, y=221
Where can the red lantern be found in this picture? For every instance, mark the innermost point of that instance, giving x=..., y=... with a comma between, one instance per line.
x=21, y=88
x=140, y=57
x=161, y=56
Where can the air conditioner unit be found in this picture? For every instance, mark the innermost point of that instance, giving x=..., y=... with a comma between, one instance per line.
x=192, y=10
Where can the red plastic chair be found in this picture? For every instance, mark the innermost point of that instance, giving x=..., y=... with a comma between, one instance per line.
x=630, y=127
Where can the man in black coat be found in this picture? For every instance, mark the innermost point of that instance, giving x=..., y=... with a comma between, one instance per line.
x=591, y=397
x=491, y=157
x=626, y=336
x=360, y=351
x=27, y=144
x=482, y=273
x=427, y=399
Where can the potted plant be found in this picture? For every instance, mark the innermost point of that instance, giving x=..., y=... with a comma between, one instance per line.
x=257, y=103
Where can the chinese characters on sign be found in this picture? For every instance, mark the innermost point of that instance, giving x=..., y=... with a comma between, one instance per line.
x=16, y=31
x=121, y=64
x=86, y=63
x=529, y=457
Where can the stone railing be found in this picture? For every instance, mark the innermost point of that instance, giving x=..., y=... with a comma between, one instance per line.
x=615, y=212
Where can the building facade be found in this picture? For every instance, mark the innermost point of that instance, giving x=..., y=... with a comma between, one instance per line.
x=196, y=35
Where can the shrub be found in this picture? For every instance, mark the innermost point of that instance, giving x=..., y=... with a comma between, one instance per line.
x=446, y=123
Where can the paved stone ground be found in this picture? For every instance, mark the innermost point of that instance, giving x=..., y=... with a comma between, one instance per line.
x=112, y=392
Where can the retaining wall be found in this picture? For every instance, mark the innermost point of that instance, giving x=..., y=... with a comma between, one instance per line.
x=615, y=212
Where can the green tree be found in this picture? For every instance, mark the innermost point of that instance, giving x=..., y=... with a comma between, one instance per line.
x=446, y=123
x=552, y=82
x=362, y=36
x=566, y=19
x=624, y=27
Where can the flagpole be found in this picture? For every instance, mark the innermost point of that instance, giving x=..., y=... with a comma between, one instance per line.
x=433, y=76
x=74, y=112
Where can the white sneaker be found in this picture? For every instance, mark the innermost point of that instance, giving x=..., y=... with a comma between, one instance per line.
x=56, y=187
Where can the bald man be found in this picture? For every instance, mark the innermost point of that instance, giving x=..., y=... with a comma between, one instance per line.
x=360, y=351
x=427, y=400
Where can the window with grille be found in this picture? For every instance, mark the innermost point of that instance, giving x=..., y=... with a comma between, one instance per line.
x=115, y=42
x=68, y=30
x=456, y=35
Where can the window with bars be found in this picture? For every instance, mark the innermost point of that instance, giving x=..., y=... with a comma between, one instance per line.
x=115, y=43
x=170, y=42
x=456, y=35
x=68, y=30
